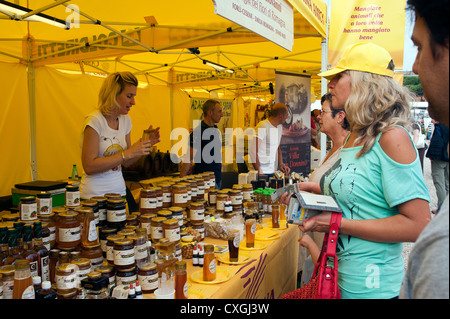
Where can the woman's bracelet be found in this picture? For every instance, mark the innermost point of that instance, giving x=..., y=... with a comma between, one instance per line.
x=123, y=156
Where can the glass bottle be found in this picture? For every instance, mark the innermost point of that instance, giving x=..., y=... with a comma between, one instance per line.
x=209, y=264
x=3, y=244
x=46, y=292
x=14, y=252
x=181, y=287
x=23, y=284
x=28, y=252
x=42, y=252
x=88, y=225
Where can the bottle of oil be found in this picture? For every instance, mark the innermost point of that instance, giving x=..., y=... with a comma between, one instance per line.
x=23, y=284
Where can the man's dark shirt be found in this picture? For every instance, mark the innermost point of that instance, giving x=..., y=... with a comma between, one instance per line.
x=211, y=160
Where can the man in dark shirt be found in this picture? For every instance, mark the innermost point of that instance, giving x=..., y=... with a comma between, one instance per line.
x=205, y=144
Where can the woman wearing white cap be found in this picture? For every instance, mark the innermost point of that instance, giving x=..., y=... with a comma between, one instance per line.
x=377, y=179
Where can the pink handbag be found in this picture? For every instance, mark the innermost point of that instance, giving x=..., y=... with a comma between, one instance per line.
x=323, y=284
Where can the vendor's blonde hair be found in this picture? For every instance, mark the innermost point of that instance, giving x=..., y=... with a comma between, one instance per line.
x=113, y=85
x=375, y=105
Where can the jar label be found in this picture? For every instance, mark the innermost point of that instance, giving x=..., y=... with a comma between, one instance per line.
x=148, y=203
x=212, y=266
x=149, y=282
x=185, y=290
x=45, y=206
x=212, y=198
x=92, y=233
x=141, y=251
x=167, y=197
x=173, y=234
x=197, y=214
x=28, y=293
x=253, y=229
x=126, y=281
x=180, y=198
x=96, y=262
x=116, y=215
x=68, y=235
x=28, y=211
x=72, y=198
x=124, y=257
x=45, y=268
x=102, y=214
x=157, y=232
x=66, y=281
x=220, y=205
x=236, y=200
x=34, y=268
x=248, y=195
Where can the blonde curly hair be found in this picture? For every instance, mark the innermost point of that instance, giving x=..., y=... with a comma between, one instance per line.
x=375, y=105
x=113, y=85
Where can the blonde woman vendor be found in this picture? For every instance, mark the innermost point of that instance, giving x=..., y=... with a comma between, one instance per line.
x=106, y=138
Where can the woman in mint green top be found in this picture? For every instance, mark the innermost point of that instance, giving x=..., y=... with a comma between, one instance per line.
x=377, y=180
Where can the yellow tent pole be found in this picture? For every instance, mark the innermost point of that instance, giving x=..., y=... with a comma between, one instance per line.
x=49, y=6
x=12, y=56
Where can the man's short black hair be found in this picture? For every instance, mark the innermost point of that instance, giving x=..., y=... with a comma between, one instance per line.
x=436, y=16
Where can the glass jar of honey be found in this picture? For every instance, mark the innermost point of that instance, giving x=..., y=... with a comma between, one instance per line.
x=116, y=213
x=156, y=229
x=124, y=254
x=89, y=233
x=148, y=201
x=197, y=211
x=102, y=209
x=68, y=230
x=148, y=277
x=171, y=230
x=94, y=253
x=179, y=195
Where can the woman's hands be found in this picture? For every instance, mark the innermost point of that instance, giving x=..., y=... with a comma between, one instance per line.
x=142, y=147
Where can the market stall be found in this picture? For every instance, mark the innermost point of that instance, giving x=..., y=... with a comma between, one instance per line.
x=44, y=106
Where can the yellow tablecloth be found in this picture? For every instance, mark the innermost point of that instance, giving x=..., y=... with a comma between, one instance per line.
x=270, y=273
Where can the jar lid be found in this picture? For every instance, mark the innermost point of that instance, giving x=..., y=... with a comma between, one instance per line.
x=72, y=188
x=44, y=195
x=148, y=216
x=209, y=248
x=176, y=209
x=197, y=204
x=171, y=222
x=164, y=213
x=148, y=190
x=81, y=262
x=148, y=266
x=180, y=265
x=84, y=210
x=112, y=195
x=123, y=242
x=90, y=203
x=28, y=199
x=68, y=214
x=115, y=237
x=116, y=201
x=66, y=267
x=158, y=219
x=91, y=246
x=104, y=269
x=187, y=239
x=179, y=186
x=99, y=199
x=59, y=209
x=7, y=270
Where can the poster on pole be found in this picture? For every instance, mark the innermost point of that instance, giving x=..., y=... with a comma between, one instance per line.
x=294, y=90
x=379, y=21
x=273, y=20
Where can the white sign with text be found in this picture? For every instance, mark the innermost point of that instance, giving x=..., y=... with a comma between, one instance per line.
x=271, y=19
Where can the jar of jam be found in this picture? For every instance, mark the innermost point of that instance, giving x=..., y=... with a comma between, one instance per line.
x=66, y=276
x=126, y=232
x=84, y=267
x=68, y=230
x=28, y=208
x=201, y=189
x=156, y=229
x=124, y=255
x=247, y=192
x=72, y=195
x=104, y=233
x=116, y=213
x=220, y=203
x=94, y=253
x=177, y=213
x=110, y=247
x=236, y=196
x=148, y=201
x=197, y=211
x=194, y=189
x=171, y=230
x=88, y=225
x=212, y=196
x=179, y=195
x=102, y=208
x=188, y=190
x=199, y=226
x=148, y=277
x=126, y=276
x=159, y=198
x=166, y=189
x=140, y=247
x=94, y=205
x=44, y=203
x=146, y=222
x=212, y=180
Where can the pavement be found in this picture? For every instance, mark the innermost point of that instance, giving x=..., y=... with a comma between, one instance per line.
x=433, y=203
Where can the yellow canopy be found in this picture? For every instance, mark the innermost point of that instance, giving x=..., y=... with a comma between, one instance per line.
x=147, y=37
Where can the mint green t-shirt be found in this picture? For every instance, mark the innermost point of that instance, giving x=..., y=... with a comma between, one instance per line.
x=371, y=187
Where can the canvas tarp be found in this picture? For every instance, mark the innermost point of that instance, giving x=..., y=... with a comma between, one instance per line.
x=43, y=108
